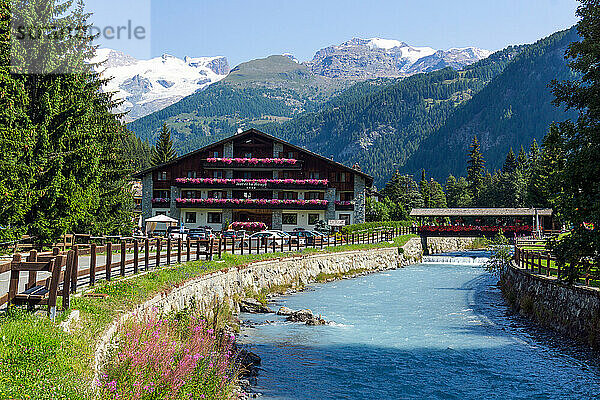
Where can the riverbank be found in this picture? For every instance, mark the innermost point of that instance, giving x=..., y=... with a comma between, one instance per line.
x=59, y=364
x=571, y=310
x=428, y=331
x=39, y=359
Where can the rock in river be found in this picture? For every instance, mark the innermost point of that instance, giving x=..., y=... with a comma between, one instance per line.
x=254, y=306
x=285, y=311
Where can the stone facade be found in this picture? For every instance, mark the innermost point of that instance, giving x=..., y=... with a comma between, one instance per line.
x=571, y=310
x=175, y=194
x=330, y=197
x=147, y=190
x=277, y=219
x=359, y=199
x=437, y=245
x=227, y=218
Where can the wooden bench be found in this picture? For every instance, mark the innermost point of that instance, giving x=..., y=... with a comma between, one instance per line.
x=43, y=291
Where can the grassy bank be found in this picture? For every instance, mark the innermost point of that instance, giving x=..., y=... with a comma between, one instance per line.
x=39, y=361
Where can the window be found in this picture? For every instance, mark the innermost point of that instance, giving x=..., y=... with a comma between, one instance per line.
x=313, y=196
x=347, y=196
x=190, y=217
x=346, y=218
x=160, y=213
x=247, y=195
x=314, y=175
x=290, y=155
x=191, y=174
x=162, y=175
x=342, y=177
x=189, y=194
x=215, y=195
x=290, y=219
x=290, y=195
x=162, y=194
x=313, y=219
x=247, y=155
x=247, y=175
x=215, y=218
x=216, y=154
x=218, y=174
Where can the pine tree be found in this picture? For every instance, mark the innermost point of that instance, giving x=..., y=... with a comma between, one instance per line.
x=403, y=190
x=522, y=159
x=67, y=147
x=457, y=192
x=425, y=190
x=163, y=152
x=437, y=195
x=475, y=170
x=510, y=163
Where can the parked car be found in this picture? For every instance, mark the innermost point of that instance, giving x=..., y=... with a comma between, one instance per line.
x=268, y=237
x=233, y=234
x=175, y=232
x=197, y=233
x=307, y=237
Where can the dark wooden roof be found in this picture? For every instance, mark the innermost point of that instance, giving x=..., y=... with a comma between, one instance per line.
x=368, y=178
x=479, y=212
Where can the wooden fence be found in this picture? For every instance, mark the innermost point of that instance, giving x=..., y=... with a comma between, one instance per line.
x=539, y=260
x=85, y=264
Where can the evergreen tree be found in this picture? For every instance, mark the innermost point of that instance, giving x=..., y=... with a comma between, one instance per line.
x=403, y=190
x=580, y=202
x=437, y=195
x=457, y=192
x=475, y=170
x=66, y=143
x=522, y=159
x=425, y=190
x=163, y=151
x=545, y=185
x=510, y=163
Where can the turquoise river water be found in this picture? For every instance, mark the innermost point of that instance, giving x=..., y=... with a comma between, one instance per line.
x=428, y=331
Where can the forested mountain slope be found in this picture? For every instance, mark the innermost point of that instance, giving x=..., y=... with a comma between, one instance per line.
x=379, y=124
x=511, y=111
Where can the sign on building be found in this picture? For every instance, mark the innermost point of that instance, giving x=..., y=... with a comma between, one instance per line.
x=336, y=222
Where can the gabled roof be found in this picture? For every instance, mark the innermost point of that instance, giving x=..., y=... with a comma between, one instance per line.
x=141, y=174
x=480, y=212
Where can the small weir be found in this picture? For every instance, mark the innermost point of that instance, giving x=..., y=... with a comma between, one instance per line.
x=473, y=257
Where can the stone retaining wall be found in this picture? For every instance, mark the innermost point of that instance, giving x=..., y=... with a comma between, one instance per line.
x=297, y=271
x=300, y=270
x=573, y=311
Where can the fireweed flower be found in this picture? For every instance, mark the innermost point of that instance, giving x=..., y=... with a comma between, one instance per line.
x=163, y=358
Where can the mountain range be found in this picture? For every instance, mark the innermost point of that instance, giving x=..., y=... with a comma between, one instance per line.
x=361, y=59
x=146, y=86
x=391, y=122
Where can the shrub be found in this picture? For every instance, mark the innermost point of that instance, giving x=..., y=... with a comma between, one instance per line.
x=167, y=358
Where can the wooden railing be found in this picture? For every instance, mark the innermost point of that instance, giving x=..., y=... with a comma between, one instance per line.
x=537, y=259
x=86, y=264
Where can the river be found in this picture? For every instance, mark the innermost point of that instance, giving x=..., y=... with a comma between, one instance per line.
x=428, y=331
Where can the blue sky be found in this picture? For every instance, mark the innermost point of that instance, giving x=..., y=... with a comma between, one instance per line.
x=249, y=29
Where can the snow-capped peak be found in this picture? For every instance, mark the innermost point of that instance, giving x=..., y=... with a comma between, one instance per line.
x=147, y=86
x=386, y=44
